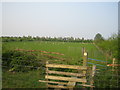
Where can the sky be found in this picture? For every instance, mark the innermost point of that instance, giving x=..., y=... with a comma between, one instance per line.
x=59, y=19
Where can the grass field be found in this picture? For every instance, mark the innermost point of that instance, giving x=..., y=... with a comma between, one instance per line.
x=70, y=50
x=72, y=53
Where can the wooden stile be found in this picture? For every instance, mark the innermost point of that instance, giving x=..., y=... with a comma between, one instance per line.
x=70, y=81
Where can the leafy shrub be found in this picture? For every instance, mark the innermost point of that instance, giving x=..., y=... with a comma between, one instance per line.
x=20, y=61
x=7, y=58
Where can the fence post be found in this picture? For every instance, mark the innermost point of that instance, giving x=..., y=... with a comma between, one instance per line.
x=106, y=57
x=85, y=56
x=47, y=74
x=92, y=75
x=113, y=64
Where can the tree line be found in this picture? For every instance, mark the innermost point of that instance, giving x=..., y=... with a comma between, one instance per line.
x=37, y=38
x=110, y=46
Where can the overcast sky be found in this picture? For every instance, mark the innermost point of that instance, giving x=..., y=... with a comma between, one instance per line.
x=59, y=19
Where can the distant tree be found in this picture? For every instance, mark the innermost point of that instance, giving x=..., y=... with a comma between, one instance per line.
x=37, y=38
x=114, y=36
x=82, y=39
x=98, y=38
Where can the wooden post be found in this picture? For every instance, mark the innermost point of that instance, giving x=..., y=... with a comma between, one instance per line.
x=92, y=75
x=106, y=57
x=47, y=74
x=83, y=50
x=113, y=64
x=85, y=56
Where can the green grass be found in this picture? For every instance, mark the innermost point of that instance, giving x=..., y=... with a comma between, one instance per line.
x=72, y=51
x=22, y=80
x=72, y=54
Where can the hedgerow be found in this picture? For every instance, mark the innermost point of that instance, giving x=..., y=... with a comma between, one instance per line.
x=110, y=46
x=20, y=61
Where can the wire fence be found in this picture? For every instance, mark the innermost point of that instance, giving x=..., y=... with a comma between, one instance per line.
x=105, y=77
x=96, y=64
x=97, y=60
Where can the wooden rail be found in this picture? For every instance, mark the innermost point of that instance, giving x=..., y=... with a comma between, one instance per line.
x=65, y=73
x=113, y=64
x=53, y=82
x=58, y=86
x=66, y=66
x=65, y=78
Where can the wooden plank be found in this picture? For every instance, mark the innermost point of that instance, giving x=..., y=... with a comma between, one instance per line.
x=46, y=72
x=57, y=86
x=53, y=82
x=113, y=64
x=93, y=70
x=92, y=74
x=65, y=78
x=85, y=85
x=71, y=84
x=65, y=73
x=66, y=66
